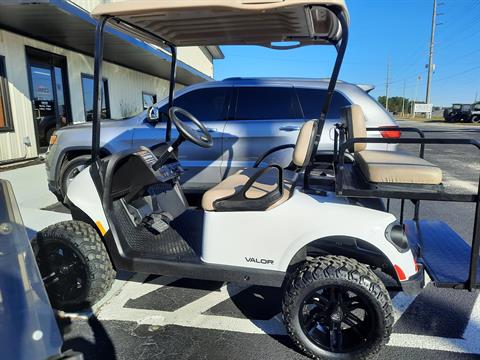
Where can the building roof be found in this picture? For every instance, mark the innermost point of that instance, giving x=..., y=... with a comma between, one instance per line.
x=229, y=22
x=66, y=25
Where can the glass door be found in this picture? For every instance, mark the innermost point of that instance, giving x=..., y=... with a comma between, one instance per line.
x=44, y=109
x=48, y=94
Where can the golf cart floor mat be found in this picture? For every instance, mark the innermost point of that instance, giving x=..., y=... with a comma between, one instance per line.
x=445, y=255
x=168, y=245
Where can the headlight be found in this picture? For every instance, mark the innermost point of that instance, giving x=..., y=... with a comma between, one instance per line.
x=395, y=234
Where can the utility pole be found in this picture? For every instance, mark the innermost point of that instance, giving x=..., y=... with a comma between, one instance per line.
x=387, y=83
x=430, y=56
x=403, y=99
x=419, y=77
x=476, y=97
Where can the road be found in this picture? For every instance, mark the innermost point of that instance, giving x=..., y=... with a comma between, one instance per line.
x=154, y=317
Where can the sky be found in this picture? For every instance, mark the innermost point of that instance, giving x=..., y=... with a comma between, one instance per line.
x=382, y=31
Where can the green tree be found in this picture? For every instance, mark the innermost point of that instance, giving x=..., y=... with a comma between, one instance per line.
x=395, y=104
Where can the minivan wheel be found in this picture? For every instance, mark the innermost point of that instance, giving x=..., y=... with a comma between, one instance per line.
x=336, y=308
x=71, y=169
x=74, y=264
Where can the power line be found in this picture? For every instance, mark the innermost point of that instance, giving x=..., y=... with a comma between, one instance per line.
x=458, y=74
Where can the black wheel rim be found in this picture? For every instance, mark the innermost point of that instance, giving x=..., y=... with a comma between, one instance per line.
x=63, y=271
x=338, y=319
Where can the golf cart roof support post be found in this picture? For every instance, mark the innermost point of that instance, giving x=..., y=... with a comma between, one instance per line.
x=171, y=89
x=341, y=47
x=97, y=90
x=472, y=278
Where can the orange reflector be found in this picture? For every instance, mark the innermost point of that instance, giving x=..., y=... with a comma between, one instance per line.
x=53, y=140
x=417, y=267
x=100, y=227
x=400, y=273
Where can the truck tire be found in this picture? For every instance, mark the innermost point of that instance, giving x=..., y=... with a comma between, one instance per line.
x=74, y=264
x=476, y=119
x=70, y=169
x=336, y=308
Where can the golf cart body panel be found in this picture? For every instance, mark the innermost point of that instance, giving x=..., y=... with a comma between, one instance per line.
x=83, y=194
x=228, y=240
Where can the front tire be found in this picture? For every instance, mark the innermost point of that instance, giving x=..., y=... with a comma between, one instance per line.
x=74, y=265
x=337, y=308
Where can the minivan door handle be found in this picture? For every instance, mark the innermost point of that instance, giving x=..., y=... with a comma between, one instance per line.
x=290, y=128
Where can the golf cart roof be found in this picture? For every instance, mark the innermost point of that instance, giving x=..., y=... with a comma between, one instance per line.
x=229, y=22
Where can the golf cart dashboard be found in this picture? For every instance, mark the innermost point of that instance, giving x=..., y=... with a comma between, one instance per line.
x=135, y=172
x=167, y=172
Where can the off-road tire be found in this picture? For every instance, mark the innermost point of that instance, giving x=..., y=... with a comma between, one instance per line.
x=86, y=241
x=67, y=168
x=342, y=271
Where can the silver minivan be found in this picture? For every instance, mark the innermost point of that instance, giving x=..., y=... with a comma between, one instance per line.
x=246, y=117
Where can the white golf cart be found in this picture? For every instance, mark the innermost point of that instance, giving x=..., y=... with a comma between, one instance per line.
x=264, y=225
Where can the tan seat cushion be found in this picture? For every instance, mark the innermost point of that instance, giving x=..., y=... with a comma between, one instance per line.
x=354, y=120
x=305, y=142
x=395, y=167
x=265, y=184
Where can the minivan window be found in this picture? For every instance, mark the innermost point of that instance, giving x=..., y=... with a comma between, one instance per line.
x=312, y=100
x=205, y=104
x=266, y=103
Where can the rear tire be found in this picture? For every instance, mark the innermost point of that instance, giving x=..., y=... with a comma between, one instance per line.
x=476, y=119
x=337, y=308
x=74, y=265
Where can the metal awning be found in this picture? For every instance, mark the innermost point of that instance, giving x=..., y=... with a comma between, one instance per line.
x=66, y=25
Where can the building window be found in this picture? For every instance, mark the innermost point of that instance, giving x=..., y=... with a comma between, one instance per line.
x=148, y=99
x=5, y=114
x=87, y=88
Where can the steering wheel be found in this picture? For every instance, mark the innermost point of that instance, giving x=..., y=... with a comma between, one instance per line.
x=200, y=137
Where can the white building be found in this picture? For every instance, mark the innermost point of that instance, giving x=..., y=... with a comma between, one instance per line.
x=46, y=69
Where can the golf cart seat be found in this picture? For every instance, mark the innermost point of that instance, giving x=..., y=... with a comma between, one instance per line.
x=260, y=189
x=380, y=166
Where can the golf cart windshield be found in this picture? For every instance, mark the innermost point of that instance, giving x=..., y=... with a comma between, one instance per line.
x=277, y=24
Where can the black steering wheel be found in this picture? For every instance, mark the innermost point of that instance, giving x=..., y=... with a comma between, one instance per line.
x=200, y=136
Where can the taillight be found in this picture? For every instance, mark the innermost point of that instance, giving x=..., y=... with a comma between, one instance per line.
x=391, y=134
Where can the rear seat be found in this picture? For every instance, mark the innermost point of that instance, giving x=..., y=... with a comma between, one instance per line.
x=386, y=166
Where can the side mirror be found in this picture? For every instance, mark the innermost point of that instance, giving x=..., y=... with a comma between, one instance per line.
x=153, y=115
